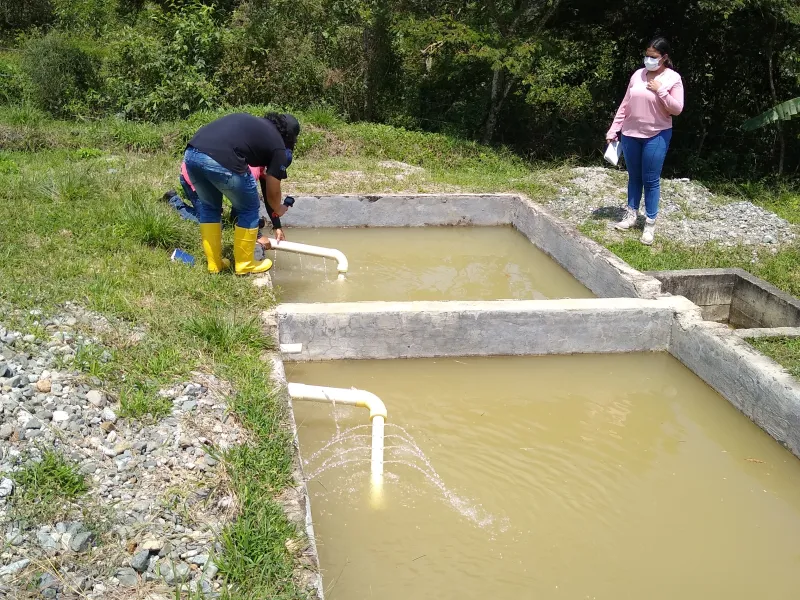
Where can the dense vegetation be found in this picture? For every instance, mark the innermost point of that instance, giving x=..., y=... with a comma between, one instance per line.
x=541, y=76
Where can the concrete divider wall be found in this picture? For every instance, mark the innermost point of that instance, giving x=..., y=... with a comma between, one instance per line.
x=710, y=289
x=753, y=383
x=604, y=273
x=757, y=303
x=733, y=296
x=385, y=330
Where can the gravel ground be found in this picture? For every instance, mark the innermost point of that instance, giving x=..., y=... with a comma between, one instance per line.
x=156, y=494
x=689, y=213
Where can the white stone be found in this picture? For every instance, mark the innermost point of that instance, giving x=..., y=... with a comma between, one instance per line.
x=59, y=416
x=96, y=398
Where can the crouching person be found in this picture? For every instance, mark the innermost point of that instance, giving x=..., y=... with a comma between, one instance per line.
x=217, y=160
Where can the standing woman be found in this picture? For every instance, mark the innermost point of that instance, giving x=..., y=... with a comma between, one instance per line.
x=217, y=160
x=654, y=96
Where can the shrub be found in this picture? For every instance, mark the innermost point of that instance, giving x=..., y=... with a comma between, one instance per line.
x=90, y=16
x=63, y=73
x=164, y=67
x=11, y=80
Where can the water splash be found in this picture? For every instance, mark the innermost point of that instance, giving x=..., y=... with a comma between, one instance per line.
x=342, y=450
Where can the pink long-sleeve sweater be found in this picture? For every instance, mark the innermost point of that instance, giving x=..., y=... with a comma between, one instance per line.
x=644, y=114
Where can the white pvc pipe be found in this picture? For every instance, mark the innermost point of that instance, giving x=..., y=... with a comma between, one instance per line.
x=351, y=397
x=341, y=260
x=291, y=348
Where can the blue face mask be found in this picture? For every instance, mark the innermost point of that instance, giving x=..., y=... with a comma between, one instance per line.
x=288, y=157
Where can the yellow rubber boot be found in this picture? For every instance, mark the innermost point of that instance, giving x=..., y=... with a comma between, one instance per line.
x=211, y=234
x=244, y=246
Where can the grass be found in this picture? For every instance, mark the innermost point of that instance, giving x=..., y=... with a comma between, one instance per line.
x=45, y=486
x=228, y=334
x=136, y=403
x=255, y=550
x=153, y=226
x=784, y=351
x=780, y=269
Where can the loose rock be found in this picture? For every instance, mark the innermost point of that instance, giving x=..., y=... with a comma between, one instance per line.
x=96, y=398
x=688, y=213
x=109, y=415
x=143, y=477
x=127, y=577
x=6, y=487
x=82, y=541
x=140, y=560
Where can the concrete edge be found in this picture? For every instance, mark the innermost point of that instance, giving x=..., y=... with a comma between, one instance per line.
x=400, y=210
x=674, y=303
x=768, y=332
x=581, y=254
x=766, y=285
x=310, y=574
x=756, y=385
x=394, y=330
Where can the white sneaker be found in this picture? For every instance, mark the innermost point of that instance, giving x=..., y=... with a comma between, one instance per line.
x=649, y=232
x=628, y=221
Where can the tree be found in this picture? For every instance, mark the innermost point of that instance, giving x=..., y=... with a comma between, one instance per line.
x=502, y=38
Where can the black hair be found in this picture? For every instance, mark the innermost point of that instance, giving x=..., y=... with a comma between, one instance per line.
x=287, y=126
x=662, y=46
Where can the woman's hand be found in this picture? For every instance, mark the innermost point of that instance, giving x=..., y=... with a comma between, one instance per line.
x=611, y=140
x=264, y=242
x=279, y=237
x=654, y=85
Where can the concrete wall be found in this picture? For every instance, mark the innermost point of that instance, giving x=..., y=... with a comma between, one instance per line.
x=383, y=330
x=710, y=289
x=400, y=211
x=733, y=296
x=295, y=500
x=602, y=272
x=756, y=303
x=753, y=383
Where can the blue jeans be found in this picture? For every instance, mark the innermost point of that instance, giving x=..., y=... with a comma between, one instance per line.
x=644, y=158
x=186, y=211
x=211, y=181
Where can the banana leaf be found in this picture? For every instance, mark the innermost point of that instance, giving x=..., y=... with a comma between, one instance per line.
x=782, y=112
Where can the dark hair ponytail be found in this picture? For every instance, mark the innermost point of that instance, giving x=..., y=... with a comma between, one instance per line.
x=287, y=125
x=662, y=46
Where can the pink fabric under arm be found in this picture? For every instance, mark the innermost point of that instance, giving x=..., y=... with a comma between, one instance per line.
x=672, y=98
x=616, y=125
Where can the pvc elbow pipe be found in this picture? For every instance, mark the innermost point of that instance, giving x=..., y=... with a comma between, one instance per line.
x=351, y=397
x=375, y=405
x=341, y=260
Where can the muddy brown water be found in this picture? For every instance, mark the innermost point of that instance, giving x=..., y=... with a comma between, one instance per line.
x=430, y=263
x=602, y=477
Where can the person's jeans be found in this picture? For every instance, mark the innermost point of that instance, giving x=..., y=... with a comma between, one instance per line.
x=186, y=211
x=644, y=159
x=211, y=181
